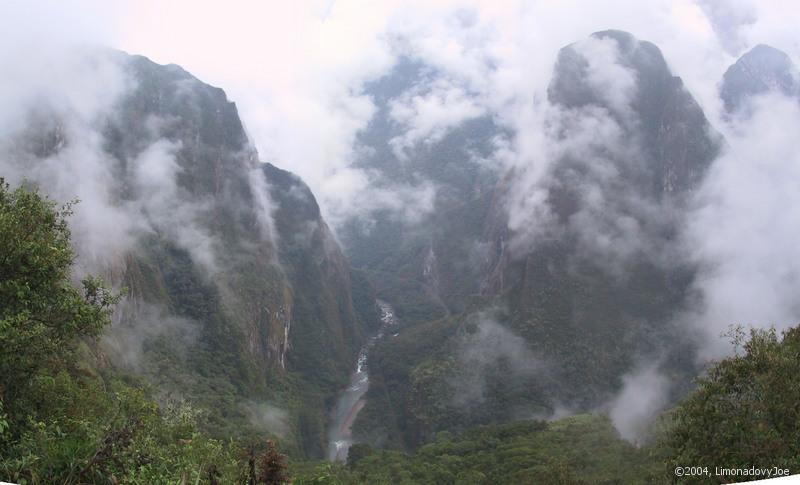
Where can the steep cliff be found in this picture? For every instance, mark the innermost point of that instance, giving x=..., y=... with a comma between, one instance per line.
x=586, y=277
x=423, y=251
x=238, y=297
x=602, y=281
x=761, y=70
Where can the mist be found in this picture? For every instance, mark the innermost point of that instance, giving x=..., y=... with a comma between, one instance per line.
x=139, y=324
x=305, y=105
x=645, y=392
x=487, y=347
x=267, y=417
x=744, y=229
x=62, y=97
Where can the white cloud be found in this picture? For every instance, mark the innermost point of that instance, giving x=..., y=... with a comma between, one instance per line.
x=297, y=69
x=644, y=393
x=614, y=83
x=746, y=228
x=426, y=114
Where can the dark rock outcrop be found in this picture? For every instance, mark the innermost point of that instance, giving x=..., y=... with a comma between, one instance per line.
x=603, y=283
x=237, y=293
x=761, y=70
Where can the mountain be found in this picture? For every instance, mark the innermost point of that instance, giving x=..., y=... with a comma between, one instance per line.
x=238, y=297
x=603, y=285
x=581, y=289
x=761, y=70
x=426, y=259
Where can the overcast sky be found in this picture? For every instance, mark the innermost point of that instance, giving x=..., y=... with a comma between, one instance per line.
x=295, y=68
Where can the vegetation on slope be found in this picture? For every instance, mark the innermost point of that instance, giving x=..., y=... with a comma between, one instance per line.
x=64, y=419
x=579, y=449
x=60, y=420
x=742, y=414
x=745, y=411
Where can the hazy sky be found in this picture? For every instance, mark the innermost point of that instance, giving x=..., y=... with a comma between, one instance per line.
x=295, y=68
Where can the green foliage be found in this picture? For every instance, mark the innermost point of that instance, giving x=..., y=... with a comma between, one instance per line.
x=41, y=312
x=233, y=353
x=210, y=366
x=576, y=450
x=86, y=435
x=60, y=421
x=421, y=383
x=356, y=453
x=401, y=367
x=319, y=473
x=745, y=410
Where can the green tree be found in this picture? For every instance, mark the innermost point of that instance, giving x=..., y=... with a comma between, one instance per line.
x=43, y=316
x=60, y=421
x=41, y=311
x=746, y=411
x=357, y=452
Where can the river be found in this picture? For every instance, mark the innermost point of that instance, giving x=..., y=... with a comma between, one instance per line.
x=351, y=400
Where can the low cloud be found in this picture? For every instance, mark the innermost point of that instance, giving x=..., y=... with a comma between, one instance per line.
x=730, y=18
x=137, y=325
x=51, y=136
x=266, y=417
x=487, y=347
x=583, y=153
x=745, y=228
x=645, y=392
x=426, y=114
x=168, y=209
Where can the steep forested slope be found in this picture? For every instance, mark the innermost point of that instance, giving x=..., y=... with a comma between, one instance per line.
x=575, y=450
x=523, y=294
x=603, y=281
x=425, y=259
x=238, y=297
x=582, y=284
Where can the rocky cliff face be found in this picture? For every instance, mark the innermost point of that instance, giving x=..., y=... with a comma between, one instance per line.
x=761, y=70
x=584, y=278
x=629, y=80
x=329, y=329
x=238, y=297
x=426, y=258
x=600, y=279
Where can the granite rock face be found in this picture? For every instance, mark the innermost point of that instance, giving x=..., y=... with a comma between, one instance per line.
x=237, y=292
x=599, y=280
x=761, y=70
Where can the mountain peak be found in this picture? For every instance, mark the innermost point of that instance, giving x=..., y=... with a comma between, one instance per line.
x=623, y=38
x=761, y=70
x=609, y=60
x=630, y=81
x=766, y=51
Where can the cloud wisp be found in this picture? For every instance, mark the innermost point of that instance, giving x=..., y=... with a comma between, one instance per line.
x=298, y=73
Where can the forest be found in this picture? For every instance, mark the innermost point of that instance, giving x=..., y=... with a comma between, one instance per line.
x=399, y=242
x=68, y=418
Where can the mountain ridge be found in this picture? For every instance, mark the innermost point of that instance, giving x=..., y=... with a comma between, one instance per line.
x=235, y=283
